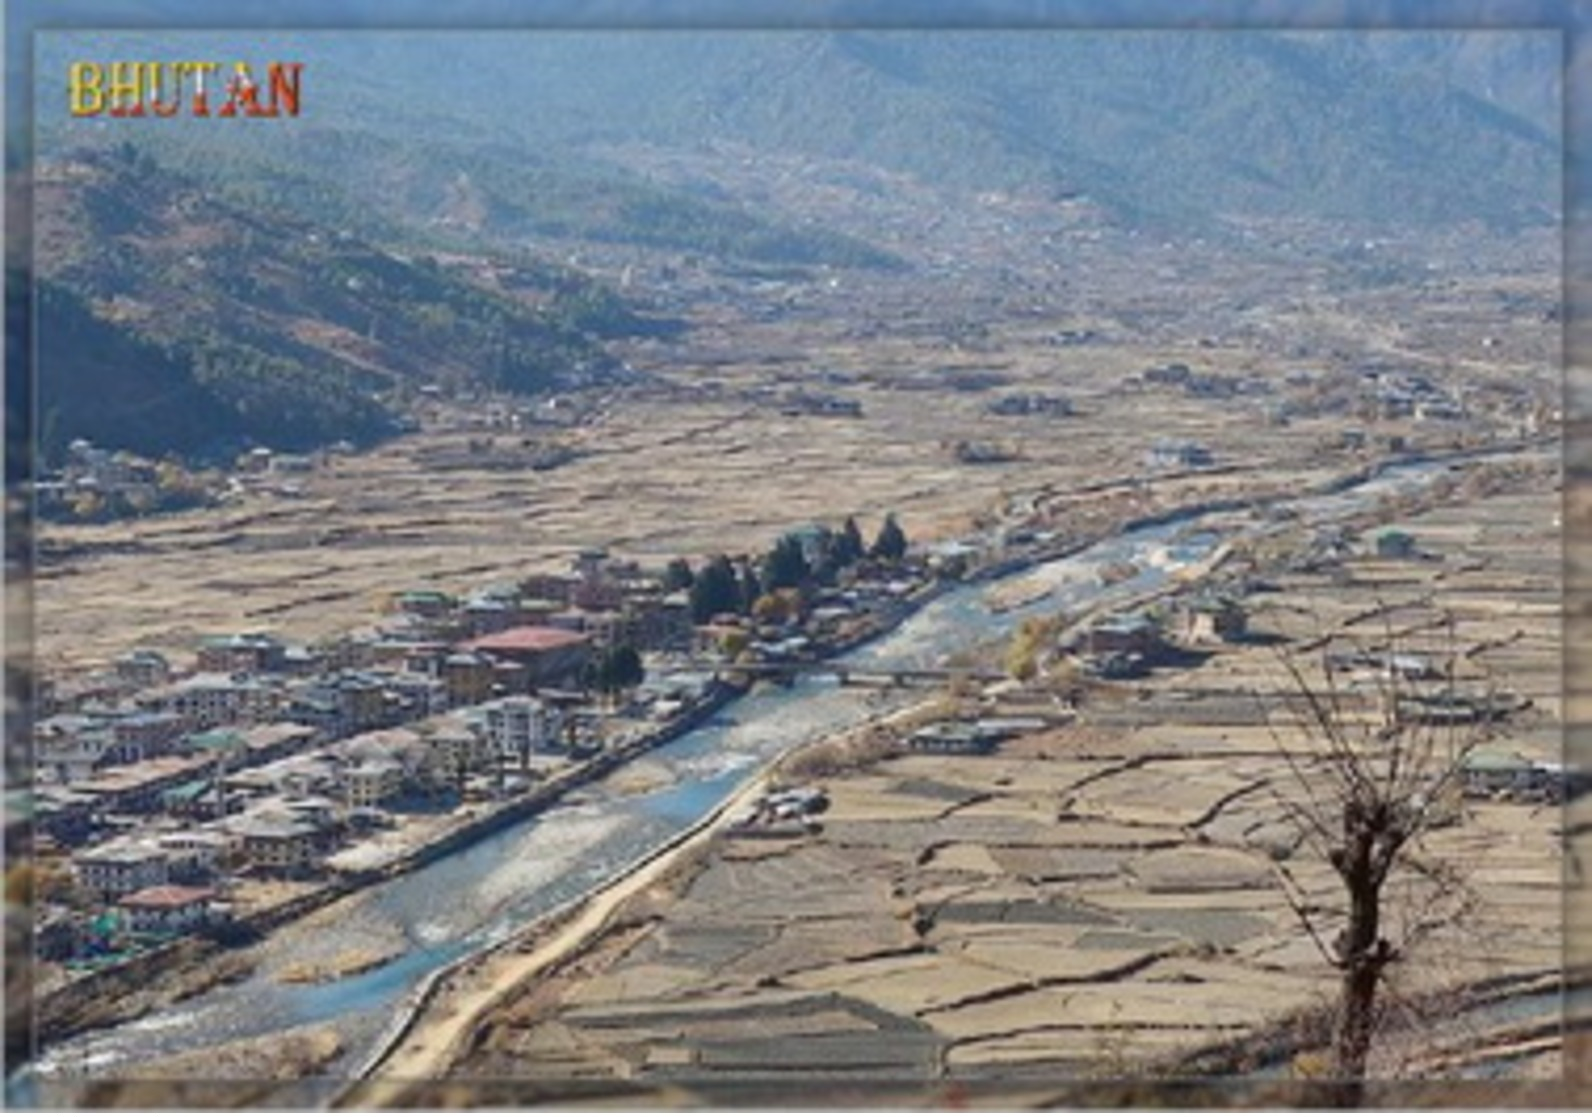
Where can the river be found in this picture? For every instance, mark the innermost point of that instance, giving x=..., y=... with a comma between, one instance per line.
x=463, y=902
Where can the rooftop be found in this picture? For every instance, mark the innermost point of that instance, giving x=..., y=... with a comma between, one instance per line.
x=165, y=896
x=528, y=638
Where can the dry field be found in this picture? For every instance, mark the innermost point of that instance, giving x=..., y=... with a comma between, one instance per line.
x=1083, y=903
x=706, y=461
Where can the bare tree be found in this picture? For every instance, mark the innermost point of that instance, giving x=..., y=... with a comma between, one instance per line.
x=1375, y=738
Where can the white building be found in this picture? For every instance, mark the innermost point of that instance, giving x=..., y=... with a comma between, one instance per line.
x=522, y=726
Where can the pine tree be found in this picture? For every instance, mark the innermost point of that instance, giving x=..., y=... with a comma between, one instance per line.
x=891, y=545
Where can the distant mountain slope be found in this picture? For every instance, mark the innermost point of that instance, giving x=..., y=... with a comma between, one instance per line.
x=171, y=319
x=1181, y=127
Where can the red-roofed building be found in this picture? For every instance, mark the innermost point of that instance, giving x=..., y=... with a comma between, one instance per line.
x=171, y=909
x=554, y=657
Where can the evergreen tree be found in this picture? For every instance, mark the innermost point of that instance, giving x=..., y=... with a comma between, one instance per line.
x=677, y=576
x=891, y=545
x=785, y=567
x=849, y=546
x=715, y=591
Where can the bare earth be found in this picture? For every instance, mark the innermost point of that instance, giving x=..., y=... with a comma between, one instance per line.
x=1087, y=902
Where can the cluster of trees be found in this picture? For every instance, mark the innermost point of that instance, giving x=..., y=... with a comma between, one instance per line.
x=775, y=584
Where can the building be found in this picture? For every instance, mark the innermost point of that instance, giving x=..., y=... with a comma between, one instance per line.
x=69, y=748
x=522, y=726
x=192, y=856
x=211, y=699
x=1124, y=634
x=141, y=734
x=344, y=703
x=1209, y=619
x=1494, y=773
x=247, y=652
x=953, y=738
x=1173, y=454
x=554, y=657
x=143, y=668
x=1395, y=544
x=485, y=614
x=415, y=695
x=372, y=782
x=278, y=844
x=454, y=749
x=138, y=788
x=429, y=604
x=63, y=815
x=468, y=677
x=167, y=909
x=120, y=867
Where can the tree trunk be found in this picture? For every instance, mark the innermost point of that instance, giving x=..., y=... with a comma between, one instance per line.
x=1363, y=956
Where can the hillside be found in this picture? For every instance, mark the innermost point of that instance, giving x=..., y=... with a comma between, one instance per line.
x=1167, y=127
x=173, y=320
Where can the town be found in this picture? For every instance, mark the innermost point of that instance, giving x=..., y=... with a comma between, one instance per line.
x=171, y=800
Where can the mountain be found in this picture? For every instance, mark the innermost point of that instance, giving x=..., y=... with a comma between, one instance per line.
x=293, y=261
x=1174, y=128
x=173, y=320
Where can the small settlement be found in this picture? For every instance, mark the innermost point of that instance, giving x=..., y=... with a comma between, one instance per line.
x=169, y=801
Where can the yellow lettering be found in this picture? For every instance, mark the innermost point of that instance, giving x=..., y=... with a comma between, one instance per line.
x=126, y=91
x=83, y=83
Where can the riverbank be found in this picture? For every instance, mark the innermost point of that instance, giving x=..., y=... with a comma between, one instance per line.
x=1096, y=899
x=126, y=991
x=912, y=647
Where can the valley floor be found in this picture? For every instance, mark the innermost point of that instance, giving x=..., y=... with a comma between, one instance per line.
x=1090, y=903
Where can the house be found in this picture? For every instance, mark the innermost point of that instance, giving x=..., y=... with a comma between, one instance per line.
x=64, y=815
x=554, y=657
x=1438, y=410
x=140, y=733
x=1032, y=403
x=552, y=589
x=428, y=604
x=302, y=663
x=1124, y=634
x=58, y=934
x=455, y=748
x=659, y=622
x=167, y=909
x=246, y=652
x=521, y=726
x=192, y=856
x=70, y=748
x=1494, y=772
x=953, y=738
x=485, y=614
x=416, y=695
x=143, y=668
x=1395, y=544
x=468, y=677
x=120, y=867
x=210, y=699
x=265, y=743
x=1209, y=618
x=1173, y=454
x=344, y=703
x=278, y=843
x=372, y=782
x=137, y=788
